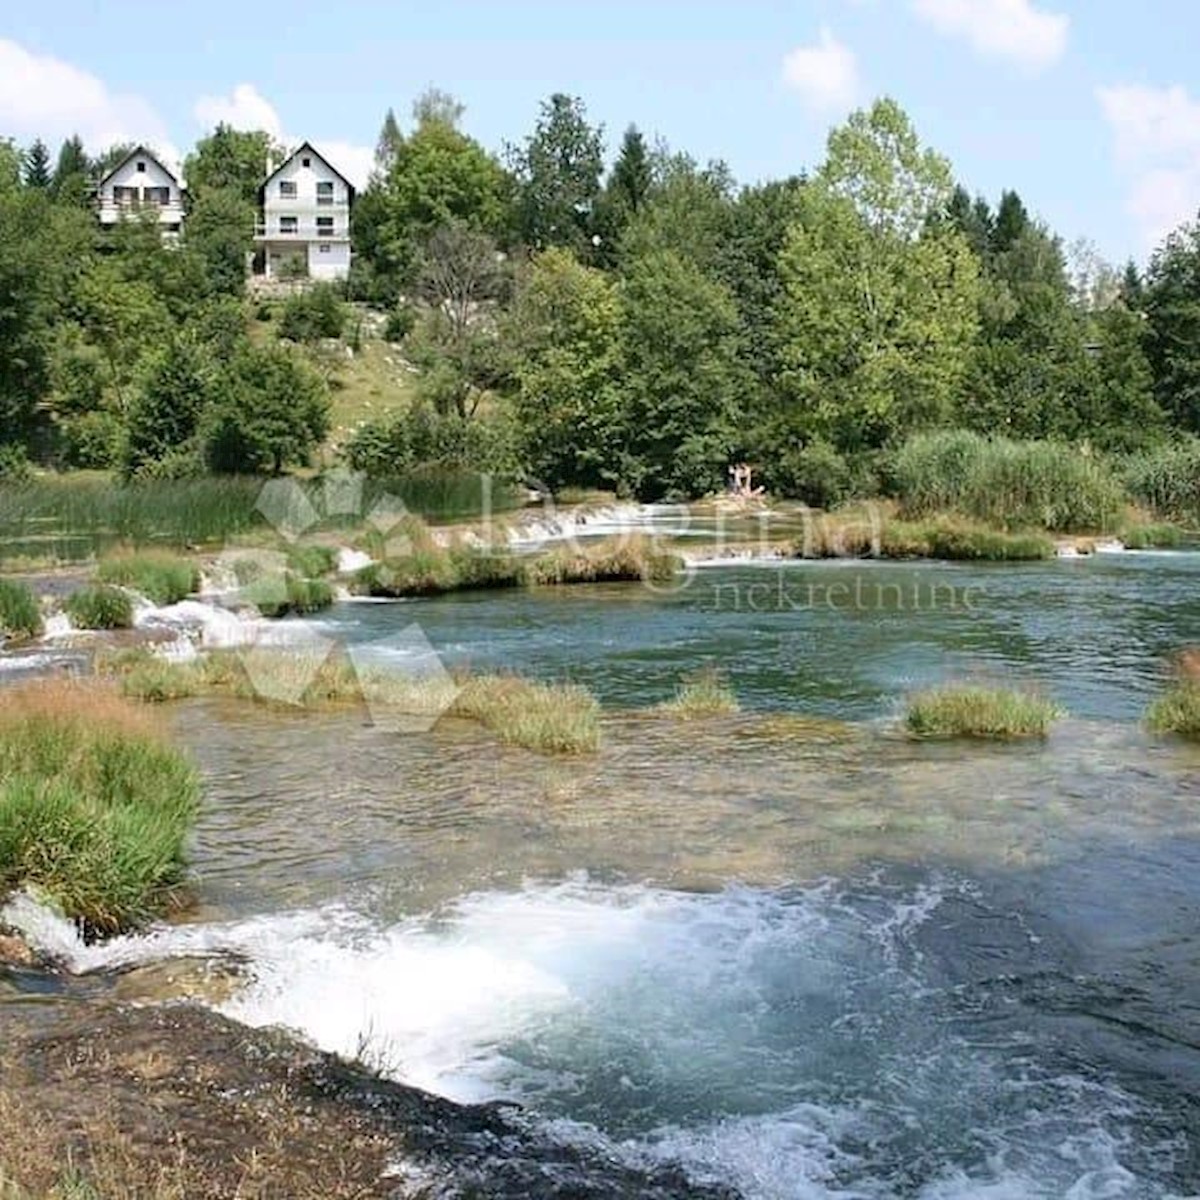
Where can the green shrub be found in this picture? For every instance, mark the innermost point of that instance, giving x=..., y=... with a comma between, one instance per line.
x=100, y=606
x=288, y=595
x=92, y=440
x=704, y=694
x=315, y=313
x=161, y=578
x=19, y=612
x=400, y=322
x=1010, y=484
x=956, y=711
x=1153, y=536
x=95, y=807
x=1177, y=711
x=312, y=561
x=14, y=464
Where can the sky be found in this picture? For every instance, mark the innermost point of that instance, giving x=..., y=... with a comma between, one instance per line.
x=1090, y=109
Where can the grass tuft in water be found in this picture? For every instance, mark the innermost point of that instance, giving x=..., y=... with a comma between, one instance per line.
x=20, y=616
x=550, y=717
x=161, y=578
x=958, y=711
x=1177, y=711
x=95, y=806
x=704, y=694
x=100, y=606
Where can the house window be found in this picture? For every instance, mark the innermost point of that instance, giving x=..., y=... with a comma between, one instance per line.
x=307, y=162
x=324, y=191
x=324, y=227
x=158, y=196
x=289, y=224
x=141, y=166
x=324, y=247
x=125, y=197
x=287, y=188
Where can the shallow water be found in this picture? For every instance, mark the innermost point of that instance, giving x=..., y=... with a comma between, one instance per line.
x=807, y=957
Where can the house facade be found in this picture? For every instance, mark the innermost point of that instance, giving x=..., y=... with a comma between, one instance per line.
x=137, y=184
x=304, y=224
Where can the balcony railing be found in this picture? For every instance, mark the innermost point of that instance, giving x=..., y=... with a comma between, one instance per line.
x=307, y=231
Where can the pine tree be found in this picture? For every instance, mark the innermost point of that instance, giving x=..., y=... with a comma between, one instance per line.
x=387, y=148
x=37, y=165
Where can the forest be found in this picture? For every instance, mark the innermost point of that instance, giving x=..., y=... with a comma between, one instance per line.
x=591, y=316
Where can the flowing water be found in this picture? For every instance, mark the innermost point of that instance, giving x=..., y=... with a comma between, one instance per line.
x=789, y=948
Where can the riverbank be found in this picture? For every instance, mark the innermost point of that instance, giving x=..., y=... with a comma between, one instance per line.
x=167, y=1103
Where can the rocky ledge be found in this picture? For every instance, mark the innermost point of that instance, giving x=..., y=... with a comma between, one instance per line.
x=173, y=1101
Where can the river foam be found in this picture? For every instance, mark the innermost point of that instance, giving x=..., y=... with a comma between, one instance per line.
x=801, y=1045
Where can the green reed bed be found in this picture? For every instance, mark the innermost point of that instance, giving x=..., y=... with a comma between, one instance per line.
x=1007, y=484
x=20, y=615
x=1166, y=481
x=100, y=606
x=952, y=539
x=427, y=568
x=161, y=578
x=95, y=806
x=997, y=714
x=72, y=518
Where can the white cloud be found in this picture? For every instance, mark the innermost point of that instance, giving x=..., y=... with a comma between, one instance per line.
x=247, y=108
x=1156, y=137
x=1012, y=29
x=42, y=96
x=824, y=74
x=355, y=162
x=244, y=108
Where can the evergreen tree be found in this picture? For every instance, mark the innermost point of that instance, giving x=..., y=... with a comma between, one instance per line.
x=37, y=165
x=387, y=145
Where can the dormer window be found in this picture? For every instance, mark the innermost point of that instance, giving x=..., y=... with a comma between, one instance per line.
x=141, y=166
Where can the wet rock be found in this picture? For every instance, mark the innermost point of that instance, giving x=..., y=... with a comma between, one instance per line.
x=15, y=951
x=219, y=1109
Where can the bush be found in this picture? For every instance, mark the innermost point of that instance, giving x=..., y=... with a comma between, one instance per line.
x=94, y=807
x=704, y=694
x=289, y=595
x=311, y=562
x=161, y=578
x=313, y=314
x=14, y=464
x=100, y=607
x=1167, y=481
x=819, y=475
x=421, y=437
x=400, y=323
x=1014, y=485
x=93, y=440
x=979, y=712
x=19, y=612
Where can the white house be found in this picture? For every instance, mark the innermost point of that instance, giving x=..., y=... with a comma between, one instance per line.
x=137, y=183
x=305, y=222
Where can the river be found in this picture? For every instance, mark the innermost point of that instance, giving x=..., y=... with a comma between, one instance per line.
x=790, y=949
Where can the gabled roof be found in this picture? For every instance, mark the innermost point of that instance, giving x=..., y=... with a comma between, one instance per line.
x=262, y=189
x=141, y=152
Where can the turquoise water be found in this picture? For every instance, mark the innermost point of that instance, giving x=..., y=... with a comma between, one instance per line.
x=843, y=639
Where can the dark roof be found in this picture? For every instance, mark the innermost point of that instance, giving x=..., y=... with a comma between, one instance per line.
x=135, y=153
x=262, y=187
